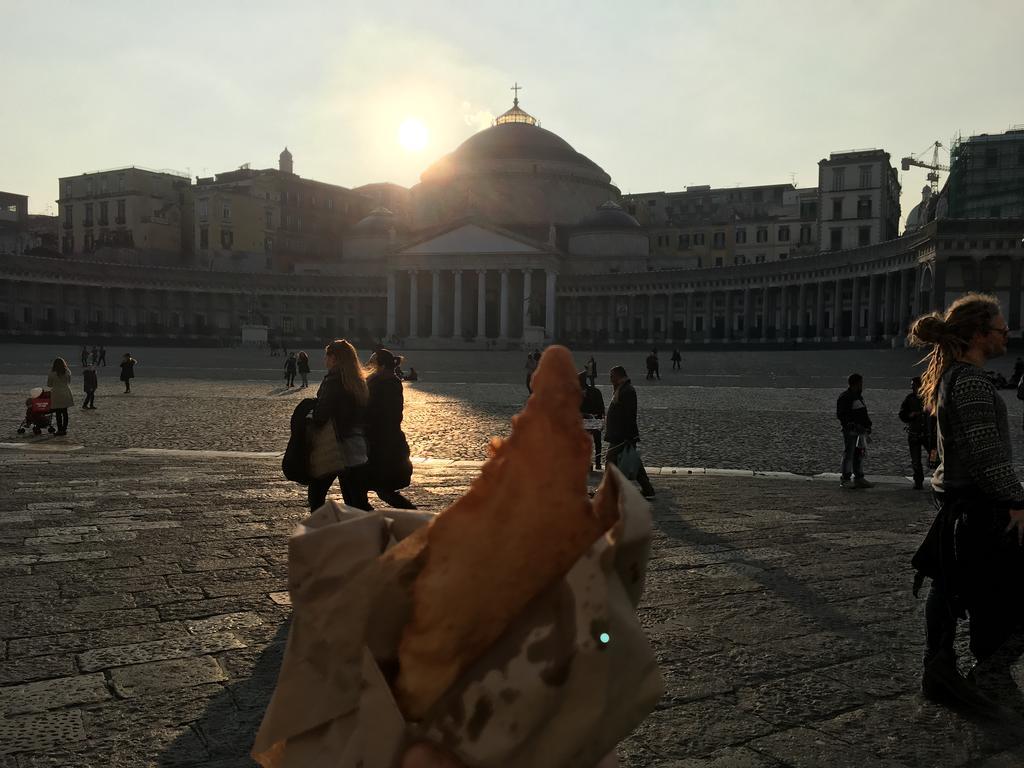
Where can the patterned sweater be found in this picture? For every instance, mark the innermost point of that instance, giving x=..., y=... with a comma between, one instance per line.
x=974, y=437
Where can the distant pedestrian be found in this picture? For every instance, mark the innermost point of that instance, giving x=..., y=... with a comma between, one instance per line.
x=531, y=366
x=58, y=381
x=103, y=356
x=127, y=371
x=90, y=383
x=291, y=366
x=1018, y=373
x=413, y=375
x=94, y=355
x=972, y=553
x=591, y=370
x=592, y=409
x=621, y=429
x=652, y=366
x=85, y=356
x=920, y=430
x=856, y=425
x=677, y=360
x=303, y=364
x=390, y=469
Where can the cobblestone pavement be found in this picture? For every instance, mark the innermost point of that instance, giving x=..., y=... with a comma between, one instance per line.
x=758, y=410
x=143, y=615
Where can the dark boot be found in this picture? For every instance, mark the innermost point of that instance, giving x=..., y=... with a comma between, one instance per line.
x=943, y=684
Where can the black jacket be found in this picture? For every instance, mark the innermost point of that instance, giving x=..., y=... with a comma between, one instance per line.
x=128, y=370
x=334, y=402
x=620, y=424
x=920, y=426
x=386, y=446
x=593, y=403
x=852, y=412
x=303, y=364
x=90, y=382
x=290, y=365
x=295, y=462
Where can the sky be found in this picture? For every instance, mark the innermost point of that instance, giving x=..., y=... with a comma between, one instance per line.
x=661, y=94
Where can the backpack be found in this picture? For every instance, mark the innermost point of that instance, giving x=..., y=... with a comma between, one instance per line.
x=295, y=462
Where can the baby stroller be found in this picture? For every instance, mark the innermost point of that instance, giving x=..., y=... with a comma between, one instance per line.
x=37, y=413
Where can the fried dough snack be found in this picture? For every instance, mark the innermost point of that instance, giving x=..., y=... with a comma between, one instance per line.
x=519, y=529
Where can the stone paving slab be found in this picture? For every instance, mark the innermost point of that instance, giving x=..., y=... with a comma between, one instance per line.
x=779, y=610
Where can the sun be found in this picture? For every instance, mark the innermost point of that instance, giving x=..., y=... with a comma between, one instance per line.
x=412, y=134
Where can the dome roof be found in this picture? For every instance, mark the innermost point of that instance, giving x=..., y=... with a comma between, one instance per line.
x=379, y=220
x=520, y=141
x=609, y=215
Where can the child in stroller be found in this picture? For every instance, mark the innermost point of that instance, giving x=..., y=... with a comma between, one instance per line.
x=37, y=412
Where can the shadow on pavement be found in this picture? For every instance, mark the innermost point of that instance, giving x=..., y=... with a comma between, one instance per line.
x=223, y=735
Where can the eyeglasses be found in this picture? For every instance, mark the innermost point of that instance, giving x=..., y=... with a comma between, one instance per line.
x=1005, y=330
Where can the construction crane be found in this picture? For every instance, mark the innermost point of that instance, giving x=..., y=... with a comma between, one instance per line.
x=933, y=167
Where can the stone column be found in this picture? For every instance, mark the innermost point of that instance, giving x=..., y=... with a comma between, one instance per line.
x=435, y=304
x=457, y=301
x=819, y=312
x=872, y=306
x=392, y=301
x=887, y=307
x=801, y=320
x=855, y=309
x=650, y=318
x=549, y=314
x=728, y=315
x=939, y=286
x=837, y=311
x=765, y=296
x=709, y=316
x=527, y=297
x=1013, y=319
x=481, y=304
x=503, y=312
x=414, y=309
x=901, y=305
x=689, y=318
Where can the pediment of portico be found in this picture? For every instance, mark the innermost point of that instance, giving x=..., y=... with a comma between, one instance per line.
x=474, y=240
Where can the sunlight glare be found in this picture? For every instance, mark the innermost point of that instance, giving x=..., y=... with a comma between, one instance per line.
x=412, y=134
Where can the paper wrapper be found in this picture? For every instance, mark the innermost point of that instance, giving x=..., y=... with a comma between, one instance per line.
x=571, y=677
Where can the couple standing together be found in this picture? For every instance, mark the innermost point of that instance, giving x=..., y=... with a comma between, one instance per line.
x=367, y=400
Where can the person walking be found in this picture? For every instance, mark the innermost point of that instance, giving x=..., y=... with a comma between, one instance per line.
x=90, y=383
x=58, y=381
x=303, y=365
x=677, y=360
x=972, y=553
x=390, y=469
x=856, y=425
x=341, y=400
x=591, y=370
x=592, y=408
x=85, y=356
x=103, y=356
x=652, y=366
x=290, y=368
x=531, y=366
x=621, y=428
x=94, y=355
x=920, y=430
x=127, y=371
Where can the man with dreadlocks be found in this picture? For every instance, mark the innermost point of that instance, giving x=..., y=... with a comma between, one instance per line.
x=973, y=551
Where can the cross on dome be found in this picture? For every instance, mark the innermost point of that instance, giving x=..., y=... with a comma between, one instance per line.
x=516, y=115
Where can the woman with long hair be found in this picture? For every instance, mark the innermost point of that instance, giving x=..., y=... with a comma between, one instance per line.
x=973, y=551
x=58, y=381
x=303, y=361
x=342, y=399
x=390, y=469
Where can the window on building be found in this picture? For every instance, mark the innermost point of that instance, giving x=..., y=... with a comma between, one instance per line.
x=268, y=244
x=88, y=187
x=836, y=239
x=783, y=234
x=227, y=238
x=758, y=195
x=698, y=323
x=121, y=215
x=69, y=218
x=741, y=259
x=718, y=240
x=741, y=236
x=88, y=214
x=864, y=208
x=120, y=183
x=226, y=211
x=863, y=236
x=269, y=216
x=103, y=185
x=700, y=262
x=759, y=259
x=683, y=243
x=204, y=208
x=330, y=203
x=762, y=234
x=313, y=201
x=838, y=179
x=67, y=244
x=68, y=189
x=718, y=261
x=89, y=242
x=837, y=209
x=204, y=237
x=783, y=255
x=808, y=210
x=652, y=203
x=866, y=177
x=991, y=157
x=104, y=210
x=805, y=235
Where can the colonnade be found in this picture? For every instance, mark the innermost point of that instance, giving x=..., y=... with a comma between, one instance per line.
x=842, y=308
x=450, y=293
